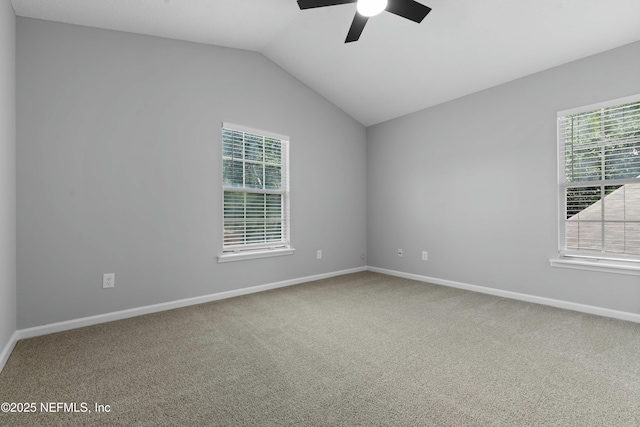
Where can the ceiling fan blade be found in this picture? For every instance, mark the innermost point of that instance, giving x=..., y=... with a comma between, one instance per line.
x=409, y=9
x=310, y=4
x=356, y=27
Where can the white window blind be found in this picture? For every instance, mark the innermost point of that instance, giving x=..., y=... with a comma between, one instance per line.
x=599, y=174
x=255, y=182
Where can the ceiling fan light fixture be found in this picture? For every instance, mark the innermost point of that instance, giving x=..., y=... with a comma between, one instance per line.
x=371, y=7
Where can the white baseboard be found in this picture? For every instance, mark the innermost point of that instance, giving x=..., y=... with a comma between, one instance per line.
x=583, y=308
x=6, y=352
x=124, y=314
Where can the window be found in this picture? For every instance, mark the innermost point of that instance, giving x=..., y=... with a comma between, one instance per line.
x=255, y=184
x=599, y=183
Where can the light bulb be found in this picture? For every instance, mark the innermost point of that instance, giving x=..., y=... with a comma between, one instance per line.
x=371, y=7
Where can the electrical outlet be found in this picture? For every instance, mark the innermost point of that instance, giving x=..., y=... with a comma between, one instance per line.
x=319, y=254
x=400, y=252
x=108, y=280
x=425, y=255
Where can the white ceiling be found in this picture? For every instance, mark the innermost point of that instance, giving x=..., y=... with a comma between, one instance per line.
x=397, y=67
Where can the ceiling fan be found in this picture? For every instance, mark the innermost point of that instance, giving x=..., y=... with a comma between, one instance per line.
x=408, y=9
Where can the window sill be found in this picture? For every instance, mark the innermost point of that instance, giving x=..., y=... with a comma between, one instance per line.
x=262, y=253
x=603, y=266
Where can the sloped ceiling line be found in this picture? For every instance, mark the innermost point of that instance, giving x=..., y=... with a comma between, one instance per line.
x=397, y=67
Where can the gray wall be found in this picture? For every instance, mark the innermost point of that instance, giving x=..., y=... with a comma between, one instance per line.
x=7, y=172
x=473, y=181
x=118, y=170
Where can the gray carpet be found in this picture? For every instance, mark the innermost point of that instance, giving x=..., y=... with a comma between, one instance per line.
x=362, y=349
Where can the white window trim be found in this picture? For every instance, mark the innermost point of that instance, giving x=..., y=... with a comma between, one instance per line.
x=599, y=263
x=275, y=248
x=255, y=254
x=596, y=264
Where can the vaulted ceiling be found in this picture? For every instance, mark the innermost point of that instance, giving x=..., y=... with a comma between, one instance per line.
x=397, y=67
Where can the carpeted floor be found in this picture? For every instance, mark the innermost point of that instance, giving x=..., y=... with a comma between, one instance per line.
x=363, y=349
